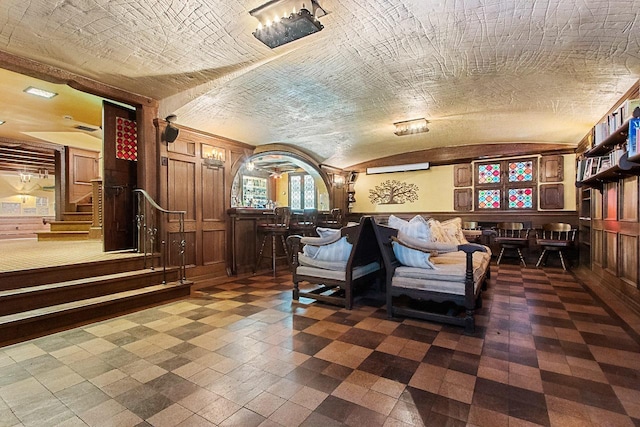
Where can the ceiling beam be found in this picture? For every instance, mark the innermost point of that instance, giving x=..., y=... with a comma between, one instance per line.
x=464, y=154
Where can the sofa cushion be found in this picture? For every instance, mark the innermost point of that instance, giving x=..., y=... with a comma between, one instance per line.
x=447, y=269
x=363, y=270
x=318, y=263
x=432, y=285
x=411, y=257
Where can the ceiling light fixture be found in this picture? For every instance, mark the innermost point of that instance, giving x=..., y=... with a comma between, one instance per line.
x=2, y=122
x=283, y=21
x=40, y=92
x=410, y=127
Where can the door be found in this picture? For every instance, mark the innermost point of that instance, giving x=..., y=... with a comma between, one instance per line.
x=120, y=155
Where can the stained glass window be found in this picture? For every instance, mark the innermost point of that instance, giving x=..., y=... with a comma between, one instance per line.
x=309, y=192
x=489, y=173
x=302, y=191
x=488, y=199
x=521, y=171
x=295, y=191
x=520, y=198
x=517, y=191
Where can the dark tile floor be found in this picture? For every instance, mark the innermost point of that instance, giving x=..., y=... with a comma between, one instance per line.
x=548, y=351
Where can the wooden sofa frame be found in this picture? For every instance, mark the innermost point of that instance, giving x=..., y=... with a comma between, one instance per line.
x=471, y=300
x=340, y=292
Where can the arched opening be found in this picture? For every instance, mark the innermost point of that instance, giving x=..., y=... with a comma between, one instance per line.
x=277, y=178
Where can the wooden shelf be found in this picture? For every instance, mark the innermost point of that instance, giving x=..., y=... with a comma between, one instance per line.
x=615, y=172
x=619, y=136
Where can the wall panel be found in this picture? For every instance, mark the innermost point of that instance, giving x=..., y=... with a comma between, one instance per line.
x=611, y=252
x=629, y=258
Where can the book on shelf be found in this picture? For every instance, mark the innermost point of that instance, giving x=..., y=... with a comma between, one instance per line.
x=587, y=167
x=634, y=135
x=580, y=169
x=627, y=108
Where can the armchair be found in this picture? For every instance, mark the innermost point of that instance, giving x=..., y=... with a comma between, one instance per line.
x=335, y=264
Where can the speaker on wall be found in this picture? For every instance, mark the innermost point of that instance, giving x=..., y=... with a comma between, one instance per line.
x=171, y=133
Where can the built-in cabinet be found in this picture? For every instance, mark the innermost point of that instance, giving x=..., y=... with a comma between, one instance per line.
x=608, y=184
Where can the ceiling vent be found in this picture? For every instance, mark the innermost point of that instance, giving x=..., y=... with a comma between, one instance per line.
x=86, y=128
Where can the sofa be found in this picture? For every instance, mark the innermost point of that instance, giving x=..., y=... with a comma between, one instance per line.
x=432, y=271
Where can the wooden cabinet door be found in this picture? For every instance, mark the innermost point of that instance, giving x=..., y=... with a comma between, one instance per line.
x=552, y=196
x=462, y=175
x=463, y=199
x=551, y=169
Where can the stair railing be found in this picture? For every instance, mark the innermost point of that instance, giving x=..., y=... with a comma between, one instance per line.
x=149, y=216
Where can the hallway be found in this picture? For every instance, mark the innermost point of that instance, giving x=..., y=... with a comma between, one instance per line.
x=548, y=351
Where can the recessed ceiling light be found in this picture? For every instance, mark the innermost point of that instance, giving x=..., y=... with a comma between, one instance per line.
x=1, y=122
x=40, y=92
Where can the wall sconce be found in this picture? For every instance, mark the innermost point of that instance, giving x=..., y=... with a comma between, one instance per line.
x=250, y=166
x=338, y=180
x=171, y=132
x=410, y=127
x=283, y=21
x=213, y=158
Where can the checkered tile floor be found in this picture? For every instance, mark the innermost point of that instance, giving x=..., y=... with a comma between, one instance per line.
x=548, y=351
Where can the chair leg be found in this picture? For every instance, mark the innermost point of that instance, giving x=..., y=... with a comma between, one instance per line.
x=296, y=291
x=264, y=239
x=273, y=254
x=500, y=256
x=524, y=264
x=544, y=251
x=564, y=267
x=284, y=246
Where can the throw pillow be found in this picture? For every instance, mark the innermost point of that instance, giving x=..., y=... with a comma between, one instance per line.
x=453, y=229
x=416, y=228
x=411, y=257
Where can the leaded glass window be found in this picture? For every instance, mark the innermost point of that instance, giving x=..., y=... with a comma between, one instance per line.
x=520, y=198
x=302, y=191
x=506, y=184
x=489, y=173
x=488, y=199
x=521, y=171
x=295, y=191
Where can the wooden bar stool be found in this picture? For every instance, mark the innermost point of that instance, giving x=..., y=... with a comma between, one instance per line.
x=276, y=229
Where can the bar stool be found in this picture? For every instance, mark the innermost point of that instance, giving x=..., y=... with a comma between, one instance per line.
x=276, y=229
x=306, y=223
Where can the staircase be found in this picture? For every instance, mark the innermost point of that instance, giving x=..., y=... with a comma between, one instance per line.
x=41, y=301
x=74, y=225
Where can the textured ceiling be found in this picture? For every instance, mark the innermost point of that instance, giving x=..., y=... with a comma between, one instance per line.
x=481, y=71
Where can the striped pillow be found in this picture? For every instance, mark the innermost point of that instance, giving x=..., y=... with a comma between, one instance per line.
x=412, y=257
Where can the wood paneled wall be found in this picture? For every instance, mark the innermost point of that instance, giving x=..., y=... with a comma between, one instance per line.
x=615, y=238
x=187, y=184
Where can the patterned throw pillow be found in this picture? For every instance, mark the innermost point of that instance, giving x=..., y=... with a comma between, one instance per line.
x=453, y=229
x=438, y=234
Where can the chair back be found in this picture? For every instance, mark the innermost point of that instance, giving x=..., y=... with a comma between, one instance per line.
x=512, y=230
x=336, y=215
x=310, y=216
x=557, y=231
x=470, y=225
x=281, y=216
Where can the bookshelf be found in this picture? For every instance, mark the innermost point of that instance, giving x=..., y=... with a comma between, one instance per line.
x=614, y=157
